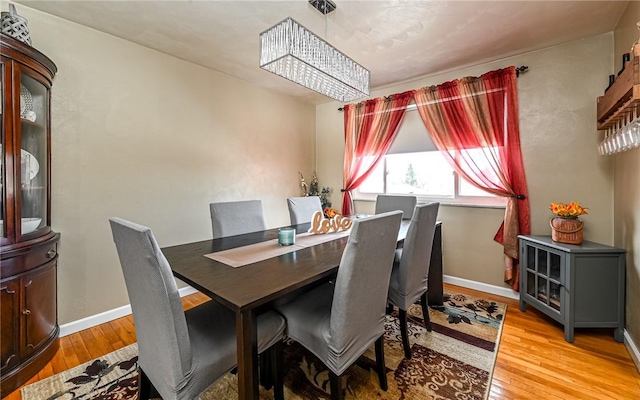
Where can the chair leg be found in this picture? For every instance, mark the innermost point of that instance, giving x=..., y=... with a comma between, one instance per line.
x=405, y=335
x=266, y=373
x=277, y=366
x=144, y=385
x=425, y=312
x=382, y=369
x=389, y=309
x=335, y=382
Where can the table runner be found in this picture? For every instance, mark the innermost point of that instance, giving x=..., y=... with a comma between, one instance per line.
x=241, y=256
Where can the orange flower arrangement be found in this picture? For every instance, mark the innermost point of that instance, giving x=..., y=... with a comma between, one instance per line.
x=330, y=212
x=571, y=210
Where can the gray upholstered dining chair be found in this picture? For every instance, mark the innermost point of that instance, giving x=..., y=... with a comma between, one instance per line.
x=181, y=353
x=386, y=203
x=338, y=322
x=236, y=218
x=301, y=209
x=411, y=269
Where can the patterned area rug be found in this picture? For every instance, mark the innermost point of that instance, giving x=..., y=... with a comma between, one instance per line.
x=454, y=361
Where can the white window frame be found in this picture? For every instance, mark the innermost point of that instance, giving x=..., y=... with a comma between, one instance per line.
x=455, y=200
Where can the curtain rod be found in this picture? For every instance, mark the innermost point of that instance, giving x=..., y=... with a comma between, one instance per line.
x=519, y=70
x=414, y=106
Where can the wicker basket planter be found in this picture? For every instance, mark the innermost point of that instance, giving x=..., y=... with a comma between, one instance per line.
x=566, y=230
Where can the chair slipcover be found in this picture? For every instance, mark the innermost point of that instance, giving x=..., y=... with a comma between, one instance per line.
x=301, y=209
x=410, y=273
x=236, y=218
x=386, y=203
x=181, y=353
x=339, y=322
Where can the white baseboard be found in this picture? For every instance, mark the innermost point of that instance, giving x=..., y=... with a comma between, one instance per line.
x=632, y=348
x=94, y=320
x=89, y=322
x=483, y=287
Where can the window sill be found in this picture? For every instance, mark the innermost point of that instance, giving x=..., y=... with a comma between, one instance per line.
x=451, y=203
x=495, y=206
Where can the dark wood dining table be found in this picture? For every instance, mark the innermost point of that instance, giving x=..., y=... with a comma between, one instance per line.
x=253, y=288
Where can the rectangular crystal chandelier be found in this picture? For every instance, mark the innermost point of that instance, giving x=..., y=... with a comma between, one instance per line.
x=293, y=52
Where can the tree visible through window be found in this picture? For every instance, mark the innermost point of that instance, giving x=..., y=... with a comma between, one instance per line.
x=410, y=178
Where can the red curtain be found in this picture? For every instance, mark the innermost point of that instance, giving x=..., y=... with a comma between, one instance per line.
x=369, y=129
x=474, y=123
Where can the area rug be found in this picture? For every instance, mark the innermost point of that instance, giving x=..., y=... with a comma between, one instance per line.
x=454, y=361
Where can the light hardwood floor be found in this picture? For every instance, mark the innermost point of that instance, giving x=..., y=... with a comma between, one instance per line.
x=533, y=361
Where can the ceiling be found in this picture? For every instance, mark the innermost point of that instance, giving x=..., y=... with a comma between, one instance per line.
x=396, y=40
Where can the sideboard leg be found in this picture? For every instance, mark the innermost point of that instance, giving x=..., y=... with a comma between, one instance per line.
x=568, y=333
x=523, y=305
x=618, y=335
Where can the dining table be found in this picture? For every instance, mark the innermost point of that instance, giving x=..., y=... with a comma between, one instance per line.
x=251, y=289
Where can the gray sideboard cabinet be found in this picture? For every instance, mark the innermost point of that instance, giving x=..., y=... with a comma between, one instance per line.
x=580, y=286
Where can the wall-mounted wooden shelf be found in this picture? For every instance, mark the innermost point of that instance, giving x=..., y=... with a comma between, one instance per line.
x=623, y=96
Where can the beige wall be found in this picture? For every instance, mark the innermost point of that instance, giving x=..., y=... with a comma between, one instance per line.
x=148, y=137
x=558, y=133
x=154, y=139
x=627, y=186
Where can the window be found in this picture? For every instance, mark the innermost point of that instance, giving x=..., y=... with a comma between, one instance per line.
x=425, y=174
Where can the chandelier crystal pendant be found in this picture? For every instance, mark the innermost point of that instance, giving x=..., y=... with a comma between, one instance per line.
x=293, y=52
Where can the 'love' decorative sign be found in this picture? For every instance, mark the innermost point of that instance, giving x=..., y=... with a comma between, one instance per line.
x=320, y=225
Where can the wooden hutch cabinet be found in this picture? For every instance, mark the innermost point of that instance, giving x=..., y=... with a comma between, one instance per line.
x=28, y=252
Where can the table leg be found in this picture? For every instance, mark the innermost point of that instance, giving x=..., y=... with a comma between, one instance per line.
x=247, y=337
x=435, y=292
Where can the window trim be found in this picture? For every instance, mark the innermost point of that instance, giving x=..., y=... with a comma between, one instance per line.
x=465, y=201
x=455, y=200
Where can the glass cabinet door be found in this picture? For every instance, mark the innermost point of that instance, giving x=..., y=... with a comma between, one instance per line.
x=3, y=162
x=543, y=276
x=33, y=165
